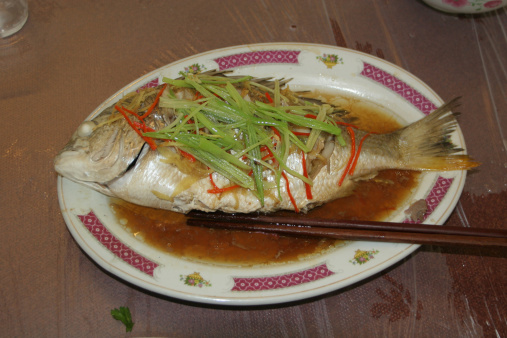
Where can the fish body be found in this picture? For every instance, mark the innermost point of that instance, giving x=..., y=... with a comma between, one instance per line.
x=151, y=166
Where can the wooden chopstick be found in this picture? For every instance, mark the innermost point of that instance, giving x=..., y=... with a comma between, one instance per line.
x=352, y=230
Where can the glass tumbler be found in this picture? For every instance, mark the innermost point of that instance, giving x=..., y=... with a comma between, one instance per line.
x=13, y=15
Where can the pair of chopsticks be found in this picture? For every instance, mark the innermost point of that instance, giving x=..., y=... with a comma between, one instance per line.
x=352, y=230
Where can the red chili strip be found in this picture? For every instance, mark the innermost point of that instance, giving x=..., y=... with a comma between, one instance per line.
x=352, y=153
x=130, y=111
x=220, y=190
x=148, y=112
x=198, y=96
x=190, y=121
x=146, y=139
x=293, y=201
x=299, y=133
x=142, y=126
x=212, y=182
x=266, y=148
x=311, y=116
x=137, y=125
x=266, y=157
x=188, y=156
x=353, y=168
x=277, y=133
x=216, y=189
x=305, y=174
x=269, y=97
x=346, y=124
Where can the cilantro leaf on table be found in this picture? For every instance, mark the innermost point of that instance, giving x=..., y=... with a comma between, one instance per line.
x=123, y=315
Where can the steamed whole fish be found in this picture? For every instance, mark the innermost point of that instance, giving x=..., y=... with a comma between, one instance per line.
x=239, y=144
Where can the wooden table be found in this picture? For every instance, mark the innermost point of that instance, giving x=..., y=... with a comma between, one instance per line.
x=72, y=55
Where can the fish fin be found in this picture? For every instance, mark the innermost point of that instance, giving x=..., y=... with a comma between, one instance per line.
x=426, y=144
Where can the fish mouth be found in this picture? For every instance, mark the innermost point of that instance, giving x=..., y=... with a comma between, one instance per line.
x=69, y=164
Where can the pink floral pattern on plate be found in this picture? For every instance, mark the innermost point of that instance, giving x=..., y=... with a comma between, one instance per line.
x=113, y=244
x=456, y=3
x=362, y=256
x=194, y=279
x=259, y=57
x=330, y=60
x=477, y=3
x=151, y=84
x=400, y=87
x=281, y=281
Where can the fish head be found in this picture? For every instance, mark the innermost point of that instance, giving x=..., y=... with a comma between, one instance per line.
x=99, y=151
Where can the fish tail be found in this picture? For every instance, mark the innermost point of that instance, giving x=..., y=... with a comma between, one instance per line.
x=426, y=143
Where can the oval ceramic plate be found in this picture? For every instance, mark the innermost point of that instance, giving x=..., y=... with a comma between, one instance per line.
x=326, y=68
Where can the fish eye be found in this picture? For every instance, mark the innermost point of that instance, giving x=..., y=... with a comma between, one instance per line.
x=86, y=128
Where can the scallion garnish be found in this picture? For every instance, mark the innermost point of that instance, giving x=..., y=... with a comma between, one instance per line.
x=238, y=138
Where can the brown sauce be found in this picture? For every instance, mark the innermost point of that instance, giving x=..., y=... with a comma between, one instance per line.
x=374, y=199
